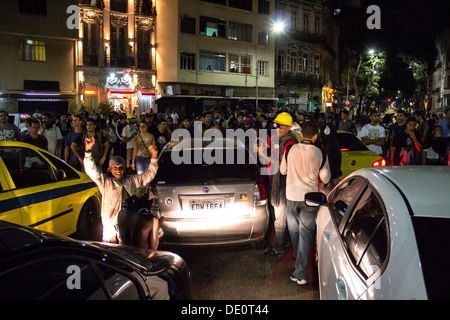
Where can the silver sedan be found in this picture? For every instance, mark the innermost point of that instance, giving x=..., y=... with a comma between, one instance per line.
x=207, y=203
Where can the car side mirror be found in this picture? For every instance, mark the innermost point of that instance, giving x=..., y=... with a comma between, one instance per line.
x=60, y=175
x=315, y=199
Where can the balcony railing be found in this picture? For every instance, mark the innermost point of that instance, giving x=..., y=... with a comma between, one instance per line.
x=121, y=62
x=90, y=59
x=145, y=8
x=92, y=3
x=144, y=61
x=300, y=77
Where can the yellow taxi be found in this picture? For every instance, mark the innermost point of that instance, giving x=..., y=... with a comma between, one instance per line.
x=41, y=191
x=356, y=155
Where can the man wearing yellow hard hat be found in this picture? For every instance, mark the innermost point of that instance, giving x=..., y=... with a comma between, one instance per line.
x=277, y=182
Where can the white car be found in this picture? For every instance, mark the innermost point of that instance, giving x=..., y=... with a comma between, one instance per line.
x=382, y=233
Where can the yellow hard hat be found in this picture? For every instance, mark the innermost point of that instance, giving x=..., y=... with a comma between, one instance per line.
x=284, y=119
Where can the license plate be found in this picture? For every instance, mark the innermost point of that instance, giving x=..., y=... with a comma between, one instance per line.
x=199, y=205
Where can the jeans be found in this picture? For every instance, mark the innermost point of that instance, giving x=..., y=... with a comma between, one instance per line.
x=301, y=221
x=141, y=164
x=280, y=237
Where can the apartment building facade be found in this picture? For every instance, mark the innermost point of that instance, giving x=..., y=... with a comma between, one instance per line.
x=187, y=55
x=116, y=55
x=37, y=50
x=307, y=55
x=215, y=54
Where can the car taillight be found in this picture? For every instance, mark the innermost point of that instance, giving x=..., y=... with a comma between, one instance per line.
x=379, y=163
x=260, y=190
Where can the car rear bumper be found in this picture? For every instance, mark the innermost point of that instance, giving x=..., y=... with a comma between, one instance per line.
x=216, y=231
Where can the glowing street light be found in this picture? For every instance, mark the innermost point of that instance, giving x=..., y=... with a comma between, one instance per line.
x=279, y=26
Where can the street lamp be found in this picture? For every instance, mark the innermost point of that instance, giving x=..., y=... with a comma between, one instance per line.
x=279, y=26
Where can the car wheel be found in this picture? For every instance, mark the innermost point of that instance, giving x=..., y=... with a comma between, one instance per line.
x=89, y=226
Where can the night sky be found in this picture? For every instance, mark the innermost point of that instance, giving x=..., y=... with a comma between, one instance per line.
x=408, y=27
x=405, y=25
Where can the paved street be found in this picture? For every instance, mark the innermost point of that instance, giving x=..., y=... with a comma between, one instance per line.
x=243, y=273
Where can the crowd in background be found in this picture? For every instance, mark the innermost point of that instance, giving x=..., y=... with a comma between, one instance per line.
x=126, y=136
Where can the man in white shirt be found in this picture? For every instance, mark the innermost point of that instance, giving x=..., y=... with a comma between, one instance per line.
x=304, y=165
x=128, y=134
x=373, y=135
x=174, y=117
x=53, y=134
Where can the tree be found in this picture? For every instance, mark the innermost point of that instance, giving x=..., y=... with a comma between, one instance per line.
x=105, y=108
x=362, y=77
x=419, y=68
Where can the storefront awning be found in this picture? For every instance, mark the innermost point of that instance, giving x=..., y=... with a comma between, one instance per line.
x=217, y=97
x=147, y=92
x=121, y=91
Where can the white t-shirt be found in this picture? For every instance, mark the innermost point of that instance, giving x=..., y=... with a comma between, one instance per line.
x=53, y=135
x=303, y=170
x=373, y=132
x=128, y=131
x=174, y=117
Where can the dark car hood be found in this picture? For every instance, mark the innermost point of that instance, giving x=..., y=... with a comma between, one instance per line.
x=16, y=238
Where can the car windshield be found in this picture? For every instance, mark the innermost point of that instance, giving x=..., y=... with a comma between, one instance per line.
x=187, y=173
x=434, y=247
x=348, y=142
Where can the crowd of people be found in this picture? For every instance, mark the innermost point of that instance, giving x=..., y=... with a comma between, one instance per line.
x=120, y=151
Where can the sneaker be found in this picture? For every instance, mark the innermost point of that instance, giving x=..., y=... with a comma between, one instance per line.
x=299, y=282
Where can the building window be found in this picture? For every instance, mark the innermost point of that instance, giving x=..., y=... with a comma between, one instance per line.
x=119, y=43
x=263, y=38
x=143, y=49
x=281, y=58
x=306, y=22
x=317, y=25
x=240, y=63
x=263, y=6
x=187, y=25
x=222, y=2
x=288, y=62
x=240, y=31
x=263, y=68
x=316, y=64
x=212, y=27
x=241, y=4
x=187, y=61
x=212, y=61
x=32, y=50
x=90, y=44
x=294, y=22
x=305, y=62
x=293, y=61
x=33, y=6
x=119, y=5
